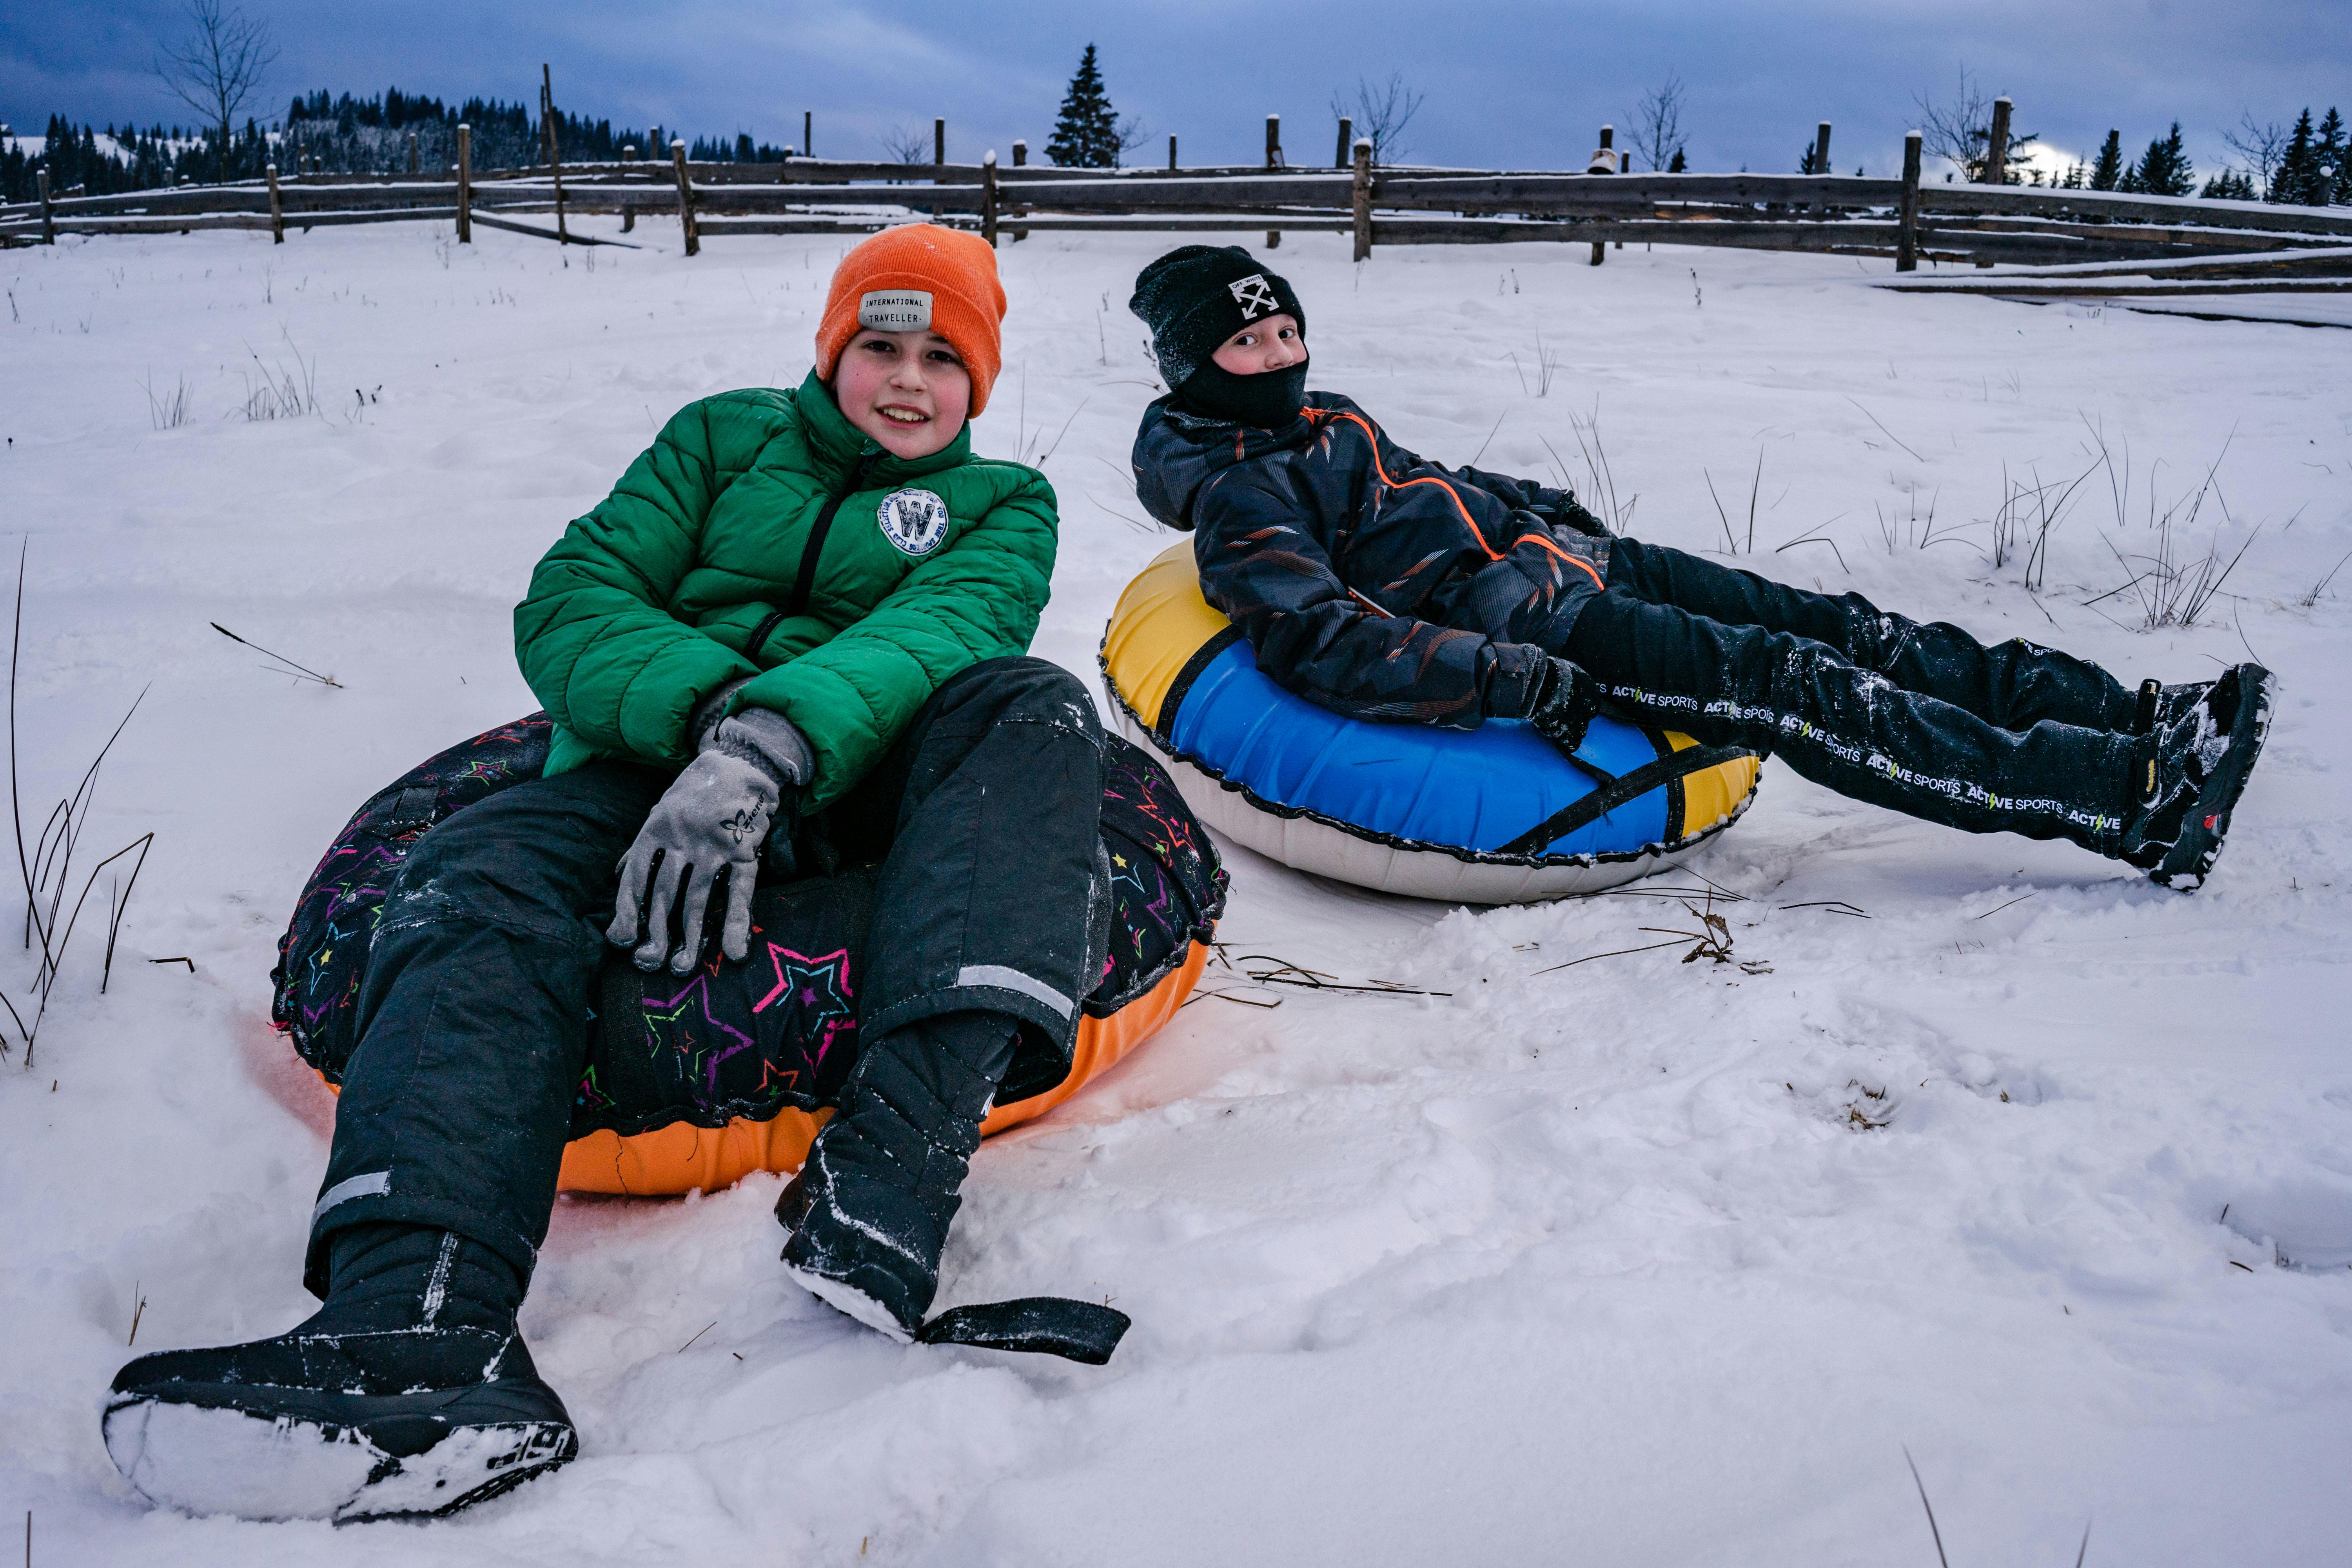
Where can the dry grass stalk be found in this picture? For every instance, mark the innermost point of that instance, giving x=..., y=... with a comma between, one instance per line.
x=46, y=869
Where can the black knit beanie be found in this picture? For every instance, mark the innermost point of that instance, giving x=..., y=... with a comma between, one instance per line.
x=1197, y=296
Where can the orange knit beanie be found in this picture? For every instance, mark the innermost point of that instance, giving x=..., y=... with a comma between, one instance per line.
x=915, y=277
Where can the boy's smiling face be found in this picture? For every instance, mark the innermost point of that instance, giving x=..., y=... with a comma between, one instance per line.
x=1274, y=344
x=908, y=391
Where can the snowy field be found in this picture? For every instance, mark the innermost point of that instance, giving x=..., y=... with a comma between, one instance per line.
x=1632, y=1262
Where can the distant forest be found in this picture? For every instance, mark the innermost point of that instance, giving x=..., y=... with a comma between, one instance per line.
x=338, y=135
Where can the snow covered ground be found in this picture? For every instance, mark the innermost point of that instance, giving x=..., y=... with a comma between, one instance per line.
x=1632, y=1262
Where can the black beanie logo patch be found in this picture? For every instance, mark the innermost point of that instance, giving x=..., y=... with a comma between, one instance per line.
x=1254, y=294
x=913, y=521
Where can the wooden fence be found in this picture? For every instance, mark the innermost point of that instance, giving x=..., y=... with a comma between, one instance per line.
x=1902, y=218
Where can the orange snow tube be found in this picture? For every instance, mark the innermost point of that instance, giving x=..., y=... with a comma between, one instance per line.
x=657, y=1111
x=681, y=1158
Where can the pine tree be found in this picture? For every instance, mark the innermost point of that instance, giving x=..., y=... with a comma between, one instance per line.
x=1085, y=133
x=2229, y=185
x=2164, y=170
x=2109, y=168
x=2297, y=170
x=2327, y=156
x=1680, y=165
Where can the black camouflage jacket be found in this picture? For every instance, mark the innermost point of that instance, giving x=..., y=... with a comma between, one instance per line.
x=1367, y=580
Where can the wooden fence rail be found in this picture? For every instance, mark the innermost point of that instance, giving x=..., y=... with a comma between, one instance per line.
x=1823, y=213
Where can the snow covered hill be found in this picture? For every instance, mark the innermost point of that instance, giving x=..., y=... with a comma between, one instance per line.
x=1981, y=1147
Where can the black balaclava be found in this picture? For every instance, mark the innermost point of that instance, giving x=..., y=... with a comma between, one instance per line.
x=1196, y=297
x=1270, y=399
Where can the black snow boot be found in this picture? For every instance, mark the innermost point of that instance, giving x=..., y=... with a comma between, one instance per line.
x=869, y=1211
x=2194, y=769
x=409, y=1393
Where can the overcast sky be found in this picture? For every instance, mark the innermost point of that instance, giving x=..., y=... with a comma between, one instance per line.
x=1513, y=84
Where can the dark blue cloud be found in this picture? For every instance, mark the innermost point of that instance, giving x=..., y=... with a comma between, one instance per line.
x=1519, y=85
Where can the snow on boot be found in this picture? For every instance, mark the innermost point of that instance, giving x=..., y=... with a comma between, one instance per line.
x=2223, y=732
x=869, y=1211
x=2160, y=706
x=2192, y=771
x=408, y=1394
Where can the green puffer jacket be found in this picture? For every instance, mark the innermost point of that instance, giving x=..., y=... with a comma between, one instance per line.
x=755, y=538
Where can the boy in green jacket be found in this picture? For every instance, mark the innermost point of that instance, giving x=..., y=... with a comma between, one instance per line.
x=796, y=619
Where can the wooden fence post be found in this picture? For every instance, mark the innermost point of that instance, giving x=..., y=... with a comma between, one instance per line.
x=48, y=217
x=1996, y=164
x=808, y=131
x=1363, y=199
x=412, y=151
x=1347, y=140
x=939, y=141
x=1906, y=229
x=628, y=213
x=1605, y=161
x=1172, y=152
x=1020, y=161
x=465, y=184
x=1822, y=149
x=554, y=152
x=988, y=198
x=1623, y=160
x=1273, y=161
x=685, y=198
x=277, y=214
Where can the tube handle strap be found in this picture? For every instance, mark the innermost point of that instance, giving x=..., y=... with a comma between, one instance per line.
x=1049, y=1325
x=1625, y=787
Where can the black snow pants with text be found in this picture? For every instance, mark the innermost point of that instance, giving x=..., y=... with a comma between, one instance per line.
x=1921, y=719
x=473, y=1012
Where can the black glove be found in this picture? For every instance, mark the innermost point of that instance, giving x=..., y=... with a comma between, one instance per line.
x=1565, y=705
x=1567, y=512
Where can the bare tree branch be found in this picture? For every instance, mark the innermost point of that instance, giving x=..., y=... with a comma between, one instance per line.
x=1131, y=133
x=1959, y=131
x=1380, y=114
x=1656, y=125
x=219, y=69
x=2261, y=146
x=905, y=144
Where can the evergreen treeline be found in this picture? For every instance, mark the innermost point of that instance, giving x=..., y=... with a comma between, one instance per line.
x=338, y=134
x=146, y=159
x=2310, y=171
x=742, y=150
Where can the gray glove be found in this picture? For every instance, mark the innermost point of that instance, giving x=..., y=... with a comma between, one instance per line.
x=716, y=814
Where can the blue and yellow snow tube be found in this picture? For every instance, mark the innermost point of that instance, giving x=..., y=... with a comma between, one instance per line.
x=1490, y=815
